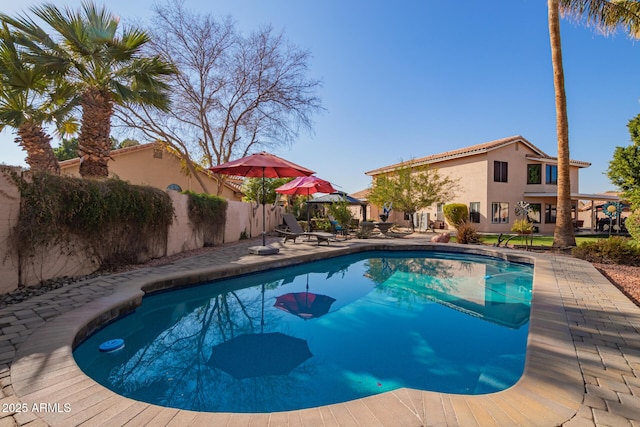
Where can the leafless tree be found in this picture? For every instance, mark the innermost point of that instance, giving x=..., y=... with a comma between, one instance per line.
x=232, y=94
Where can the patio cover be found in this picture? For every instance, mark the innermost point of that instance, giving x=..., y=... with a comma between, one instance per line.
x=581, y=196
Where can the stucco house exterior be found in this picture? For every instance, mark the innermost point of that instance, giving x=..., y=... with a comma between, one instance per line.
x=493, y=178
x=150, y=164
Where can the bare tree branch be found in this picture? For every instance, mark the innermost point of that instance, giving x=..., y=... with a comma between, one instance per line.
x=232, y=94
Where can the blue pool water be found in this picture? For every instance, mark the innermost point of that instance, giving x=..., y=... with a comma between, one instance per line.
x=321, y=333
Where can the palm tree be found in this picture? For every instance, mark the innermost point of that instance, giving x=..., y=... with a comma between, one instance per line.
x=25, y=106
x=104, y=66
x=606, y=16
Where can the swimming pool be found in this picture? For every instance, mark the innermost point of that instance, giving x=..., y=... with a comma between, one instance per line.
x=431, y=321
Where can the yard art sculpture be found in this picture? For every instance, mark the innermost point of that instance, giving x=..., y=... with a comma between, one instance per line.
x=524, y=228
x=612, y=210
x=522, y=208
x=386, y=210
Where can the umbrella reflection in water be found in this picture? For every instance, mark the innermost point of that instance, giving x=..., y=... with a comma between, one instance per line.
x=305, y=305
x=260, y=354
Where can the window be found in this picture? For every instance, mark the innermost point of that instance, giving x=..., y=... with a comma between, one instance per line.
x=551, y=175
x=499, y=213
x=535, y=212
x=500, y=171
x=550, y=214
x=474, y=212
x=534, y=174
x=440, y=212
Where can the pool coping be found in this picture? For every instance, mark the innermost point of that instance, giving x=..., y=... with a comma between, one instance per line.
x=550, y=392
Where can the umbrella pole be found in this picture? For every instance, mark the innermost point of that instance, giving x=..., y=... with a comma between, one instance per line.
x=264, y=215
x=308, y=218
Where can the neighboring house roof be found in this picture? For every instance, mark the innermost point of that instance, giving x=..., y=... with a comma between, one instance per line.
x=472, y=151
x=233, y=183
x=361, y=195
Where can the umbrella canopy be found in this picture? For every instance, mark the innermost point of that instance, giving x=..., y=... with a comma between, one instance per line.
x=306, y=185
x=260, y=355
x=337, y=197
x=306, y=305
x=262, y=165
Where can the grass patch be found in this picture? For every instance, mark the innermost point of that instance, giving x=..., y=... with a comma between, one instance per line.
x=492, y=239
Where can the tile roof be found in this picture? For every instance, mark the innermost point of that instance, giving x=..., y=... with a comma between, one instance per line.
x=470, y=151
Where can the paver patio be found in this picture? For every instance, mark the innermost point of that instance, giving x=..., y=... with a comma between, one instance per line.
x=582, y=368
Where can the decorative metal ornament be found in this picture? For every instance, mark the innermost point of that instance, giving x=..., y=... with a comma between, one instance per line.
x=522, y=208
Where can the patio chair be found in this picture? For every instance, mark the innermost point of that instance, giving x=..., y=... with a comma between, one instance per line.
x=295, y=230
x=336, y=227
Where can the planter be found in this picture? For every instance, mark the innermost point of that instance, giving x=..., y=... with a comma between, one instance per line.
x=384, y=226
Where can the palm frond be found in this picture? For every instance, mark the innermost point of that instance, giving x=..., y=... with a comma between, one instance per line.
x=100, y=23
x=606, y=16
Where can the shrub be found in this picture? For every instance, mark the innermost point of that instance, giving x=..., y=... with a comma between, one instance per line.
x=522, y=226
x=467, y=233
x=614, y=250
x=365, y=230
x=323, y=224
x=632, y=223
x=340, y=211
x=455, y=213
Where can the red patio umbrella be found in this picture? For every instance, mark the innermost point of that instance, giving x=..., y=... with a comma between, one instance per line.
x=306, y=185
x=263, y=165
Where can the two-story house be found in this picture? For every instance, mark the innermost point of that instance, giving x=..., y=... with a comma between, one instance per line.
x=493, y=177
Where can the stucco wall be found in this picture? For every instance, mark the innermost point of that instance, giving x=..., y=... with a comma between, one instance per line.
x=9, y=209
x=52, y=262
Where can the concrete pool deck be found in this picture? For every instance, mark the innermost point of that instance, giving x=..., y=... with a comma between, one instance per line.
x=582, y=368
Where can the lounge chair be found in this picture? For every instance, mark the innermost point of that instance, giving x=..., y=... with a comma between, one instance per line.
x=295, y=230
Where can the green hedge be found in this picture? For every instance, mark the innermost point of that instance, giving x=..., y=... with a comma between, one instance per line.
x=113, y=222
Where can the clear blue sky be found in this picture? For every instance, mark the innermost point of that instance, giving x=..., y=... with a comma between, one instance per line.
x=407, y=79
